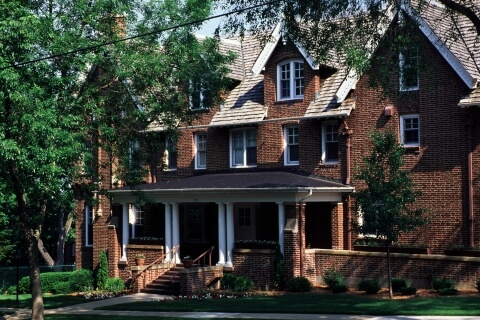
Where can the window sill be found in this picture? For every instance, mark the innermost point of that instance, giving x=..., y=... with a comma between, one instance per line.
x=412, y=149
x=242, y=167
x=291, y=164
x=169, y=170
x=409, y=89
x=200, y=168
x=289, y=101
x=329, y=164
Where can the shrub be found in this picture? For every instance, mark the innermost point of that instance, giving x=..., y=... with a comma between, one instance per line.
x=370, y=286
x=278, y=268
x=49, y=280
x=398, y=283
x=61, y=288
x=102, y=271
x=448, y=291
x=442, y=283
x=81, y=280
x=299, y=284
x=24, y=285
x=332, y=278
x=114, y=285
x=228, y=281
x=407, y=291
x=243, y=283
x=339, y=288
x=477, y=285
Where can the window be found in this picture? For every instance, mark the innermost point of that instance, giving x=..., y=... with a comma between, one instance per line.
x=170, y=154
x=200, y=151
x=290, y=80
x=330, y=142
x=200, y=95
x=244, y=218
x=243, y=148
x=88, y=225
x=137, y=227
x=409, y=69
x=291, y=152
x=410, y=130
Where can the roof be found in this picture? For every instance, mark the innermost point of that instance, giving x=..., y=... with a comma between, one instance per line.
x=246, y=181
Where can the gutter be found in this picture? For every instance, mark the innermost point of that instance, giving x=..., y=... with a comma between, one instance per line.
x=471, y=222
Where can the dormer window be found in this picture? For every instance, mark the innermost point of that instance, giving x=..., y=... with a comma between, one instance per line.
x=409, y=69
x=243, y=148
x=290, y=80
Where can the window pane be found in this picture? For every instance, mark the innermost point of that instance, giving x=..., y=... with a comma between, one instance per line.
x=293, y=153
x=332, y=151
x=285, y=81
x=409, y=68
x=299, y=77
x=411, y=131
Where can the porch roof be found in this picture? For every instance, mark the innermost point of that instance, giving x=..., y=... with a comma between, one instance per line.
x=253, y=183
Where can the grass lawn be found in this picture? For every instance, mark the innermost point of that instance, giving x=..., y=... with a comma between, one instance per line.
x=95, y=317
x=318, y=303
x=50, y=301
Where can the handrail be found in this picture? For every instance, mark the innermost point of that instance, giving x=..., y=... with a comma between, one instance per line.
x=162, y=258
x=209, y=252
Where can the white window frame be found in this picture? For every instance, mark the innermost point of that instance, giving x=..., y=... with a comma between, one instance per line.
x=138, y=211
x=287, y=144
x=292, y=77
x=199, y=87
x=244, y=146
x=169, y=166
x=402, y=66
x=88, y=221
x=199, y=150
x=325, y=140
x=403, y=129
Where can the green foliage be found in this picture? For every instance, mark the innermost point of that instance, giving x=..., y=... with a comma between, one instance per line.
x=243, y=283
x=114, y=285
x=61, y=288
x=407, y=291
x=299, y=284
x=101, y=275
x=439, y=284
x=81, y=280
x=339, y=288
x=448, y=291
x=332, y=278
x=398, y=283
x=370, y=286
x=228, y=281
x=477, y=285
x=278, y=268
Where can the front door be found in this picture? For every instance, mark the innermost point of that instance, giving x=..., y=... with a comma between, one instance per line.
x=245, y=222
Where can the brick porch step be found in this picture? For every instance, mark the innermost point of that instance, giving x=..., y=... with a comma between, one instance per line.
x=167, y=284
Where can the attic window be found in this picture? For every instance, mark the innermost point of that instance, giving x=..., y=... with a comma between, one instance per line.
x=199, y=95
x=409, y=69
x=290, y=80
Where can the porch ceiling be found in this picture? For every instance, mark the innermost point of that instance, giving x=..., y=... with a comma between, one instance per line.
x=245, y=186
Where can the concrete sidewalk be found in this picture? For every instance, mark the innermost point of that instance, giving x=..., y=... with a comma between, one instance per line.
x=88, y=308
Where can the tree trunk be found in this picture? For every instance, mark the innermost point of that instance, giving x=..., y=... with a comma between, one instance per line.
x=390, y=291
x=44, y=253
x=37, y=299
x=64, y=227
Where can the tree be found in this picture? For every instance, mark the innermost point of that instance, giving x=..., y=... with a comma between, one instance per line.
x=65, y=94
x=350, y=29
x=385, y=206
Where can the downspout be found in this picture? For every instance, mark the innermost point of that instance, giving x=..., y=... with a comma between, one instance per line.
x=471, y=240
x=300, y=226
x=348, y=133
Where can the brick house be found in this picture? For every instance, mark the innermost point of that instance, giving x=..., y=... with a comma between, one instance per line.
x=276, y=160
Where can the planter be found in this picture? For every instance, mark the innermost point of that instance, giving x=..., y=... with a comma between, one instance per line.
x=139, y=261
x=463, y=252
x=408, y=250
x=187, y=264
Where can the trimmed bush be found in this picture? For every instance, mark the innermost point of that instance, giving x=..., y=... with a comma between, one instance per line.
x=81, y=280
x=332, y=278
x=228, y=281
x=439, y=284
x=398, y=283
x=102, y=271
x=477, y=285
x=299, y=284
x=243, y=283
x=61, y=288
x=24, y=285
x=407, y=291
x=448, y=291
x=370, y=286
x=114, y=285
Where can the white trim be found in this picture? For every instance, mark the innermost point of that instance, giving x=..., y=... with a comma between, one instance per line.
x=291, y=80
x=402, y=136
x=324, y=142
x=196, y=151
x=286, y=149
x=451, y=59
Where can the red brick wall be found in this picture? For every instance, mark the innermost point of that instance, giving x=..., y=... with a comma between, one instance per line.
x=257, y=265
x=196, y=279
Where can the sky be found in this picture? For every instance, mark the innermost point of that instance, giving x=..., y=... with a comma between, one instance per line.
x=209, y=26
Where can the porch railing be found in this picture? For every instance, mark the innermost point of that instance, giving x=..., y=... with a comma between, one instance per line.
x=204, y=256
x=161, y=259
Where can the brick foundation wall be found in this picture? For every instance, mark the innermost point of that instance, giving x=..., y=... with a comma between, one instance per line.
x=257, y=265
x=197, y=279
x=419, y=269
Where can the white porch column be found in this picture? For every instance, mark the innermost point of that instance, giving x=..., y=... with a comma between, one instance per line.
x=124, y=231
x=230, y=235
x=222, y=244
x=168, y=230
x=281, y=224
x=175, y=229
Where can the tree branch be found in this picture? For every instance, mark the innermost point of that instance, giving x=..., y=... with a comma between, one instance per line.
x=463, y=10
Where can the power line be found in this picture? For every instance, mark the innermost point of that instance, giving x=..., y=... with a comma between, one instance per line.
x=103, y=44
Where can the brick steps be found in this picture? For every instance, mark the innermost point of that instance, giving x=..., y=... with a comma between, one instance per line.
x=167, y=284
